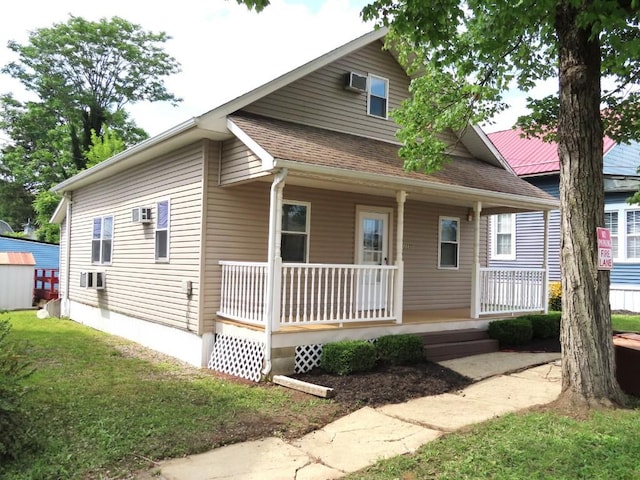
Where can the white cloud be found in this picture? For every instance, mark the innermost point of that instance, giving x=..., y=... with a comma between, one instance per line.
x=225, y=50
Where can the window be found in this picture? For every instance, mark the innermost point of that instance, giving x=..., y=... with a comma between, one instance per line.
x=503, y=236
x=611, y=222
x=102, y=240
x=633, y=234
x=295, y=232
x=377, y=96
x=449, y=239
x=162, y=231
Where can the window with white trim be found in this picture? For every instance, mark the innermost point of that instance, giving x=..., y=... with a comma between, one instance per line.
x=162, y=231
x=623, y=222
x=377, y=96
x=503, y=236
x=449, y=242
x=611, y=222
x=294, y=243
x=102, y=240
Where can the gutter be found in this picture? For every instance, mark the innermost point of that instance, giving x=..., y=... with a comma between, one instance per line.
x=507, y=199
x=274, y=229
x=67, y=258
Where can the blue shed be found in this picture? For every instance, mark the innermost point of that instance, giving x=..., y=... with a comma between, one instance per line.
x=46, y=255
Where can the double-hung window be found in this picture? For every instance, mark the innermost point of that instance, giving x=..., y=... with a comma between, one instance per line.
x=623, y=222
x=449, y=240
x=378, y=95
x=102, y=240
x=503, y=236
x=611, y=222
x=162, y=231
x=633, y=234
x=294, y=244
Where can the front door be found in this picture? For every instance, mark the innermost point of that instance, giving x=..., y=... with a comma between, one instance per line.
x=372, y=249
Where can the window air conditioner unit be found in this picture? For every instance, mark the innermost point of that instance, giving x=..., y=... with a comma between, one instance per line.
x=355, y=82
x=90, y=279
x=141, y=215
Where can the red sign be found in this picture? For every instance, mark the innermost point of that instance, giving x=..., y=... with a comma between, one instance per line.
x=605, y=256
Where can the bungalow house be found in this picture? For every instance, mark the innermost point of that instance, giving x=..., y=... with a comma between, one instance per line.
x=246, y=238
x=515, y=240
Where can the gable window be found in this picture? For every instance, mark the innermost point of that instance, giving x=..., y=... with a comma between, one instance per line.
x=102, y=240
x=503, y=236
x=294, y=244
x=611, y=222
x=449, y=240
x=377, y=96
x=633, y=234
x=162, y=231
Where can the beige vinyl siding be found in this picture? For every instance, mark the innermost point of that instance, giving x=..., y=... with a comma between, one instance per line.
x=136, y=284
x=319, y=99
x=426, y=286
x=238, y=163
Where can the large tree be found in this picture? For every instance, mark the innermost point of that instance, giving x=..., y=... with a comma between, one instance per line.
x=80, y=75
x=467, y=54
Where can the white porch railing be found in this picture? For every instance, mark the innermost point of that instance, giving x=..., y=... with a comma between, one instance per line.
x=504, y=290
x=309, y=293
x=320, y=293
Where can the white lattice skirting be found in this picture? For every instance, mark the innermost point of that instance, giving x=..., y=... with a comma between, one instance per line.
x=307, y=357
x=237, y=356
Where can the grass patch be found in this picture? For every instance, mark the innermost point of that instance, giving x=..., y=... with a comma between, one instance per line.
x=626, y=323
x=532, y=446
x=98, y=411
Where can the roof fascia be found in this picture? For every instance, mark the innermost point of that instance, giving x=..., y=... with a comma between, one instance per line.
x=505, y=198
x=251, y=144
x=60, y=211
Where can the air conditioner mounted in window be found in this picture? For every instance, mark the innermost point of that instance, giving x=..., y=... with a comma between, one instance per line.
x=91, y=279
x=141, y=215
x=355, y=82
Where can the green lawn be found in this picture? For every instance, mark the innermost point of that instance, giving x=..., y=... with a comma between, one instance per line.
x=99, y=412
x=627, y=323
x=530, y=446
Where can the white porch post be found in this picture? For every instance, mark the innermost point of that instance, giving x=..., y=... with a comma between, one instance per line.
x=401, y=197
x=274, y=265
x=545, y=262
x=475, y=278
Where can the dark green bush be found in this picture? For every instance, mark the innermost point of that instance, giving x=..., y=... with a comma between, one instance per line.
x=14, y=368
x=545, y=326
x=400, y=349
x=348, y=356
x=515, y=331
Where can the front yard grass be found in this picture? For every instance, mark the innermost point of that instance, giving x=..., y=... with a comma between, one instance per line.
x=535, y=445
x=626, y=323
x=100, y=410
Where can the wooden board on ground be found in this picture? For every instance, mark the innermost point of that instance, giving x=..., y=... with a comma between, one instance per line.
x=317, y=390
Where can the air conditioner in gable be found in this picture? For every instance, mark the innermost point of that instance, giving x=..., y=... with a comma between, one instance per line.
x=355, y=82
x=141, y=215
x=91, y=279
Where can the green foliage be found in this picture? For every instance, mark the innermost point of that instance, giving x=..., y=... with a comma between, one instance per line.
x=555, y=296
x=545, y=326
x=15, y=204
x=103, y=147
x=258, y=5
x=45, y=204
x=14, y=369
x=514, y=331
x=348, y=356
x=400, y=349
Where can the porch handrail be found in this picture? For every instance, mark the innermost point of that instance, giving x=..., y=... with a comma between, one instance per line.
x=243, y=291
x=505, y=290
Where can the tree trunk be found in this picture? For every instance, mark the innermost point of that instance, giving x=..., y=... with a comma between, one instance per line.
x=588, y=366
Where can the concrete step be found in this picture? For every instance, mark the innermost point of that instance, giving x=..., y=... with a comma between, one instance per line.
x=446, y=351
x=447, y=336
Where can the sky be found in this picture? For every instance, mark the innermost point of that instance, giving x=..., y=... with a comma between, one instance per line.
x=224, y=49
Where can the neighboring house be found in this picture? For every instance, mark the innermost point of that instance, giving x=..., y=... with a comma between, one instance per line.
x=516, y=240
x=251, y=235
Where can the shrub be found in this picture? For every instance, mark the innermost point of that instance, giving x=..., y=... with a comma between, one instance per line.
x=400, y=349
x=515, y=331
x=545, y=326
x=555, y=296
x=14, y=368
x=348, y=356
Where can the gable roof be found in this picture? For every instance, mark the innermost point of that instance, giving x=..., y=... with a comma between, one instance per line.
x=531, y=156
x=213, y=124
x=17, y=258
x=300, y=147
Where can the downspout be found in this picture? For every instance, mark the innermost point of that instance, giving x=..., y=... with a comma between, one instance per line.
x=67, y=258
x=273, y=253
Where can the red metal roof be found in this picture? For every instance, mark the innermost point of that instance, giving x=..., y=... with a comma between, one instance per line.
x=530, y=156
x=16, y=258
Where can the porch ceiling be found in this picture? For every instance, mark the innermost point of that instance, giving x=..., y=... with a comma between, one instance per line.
x=317, y=155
